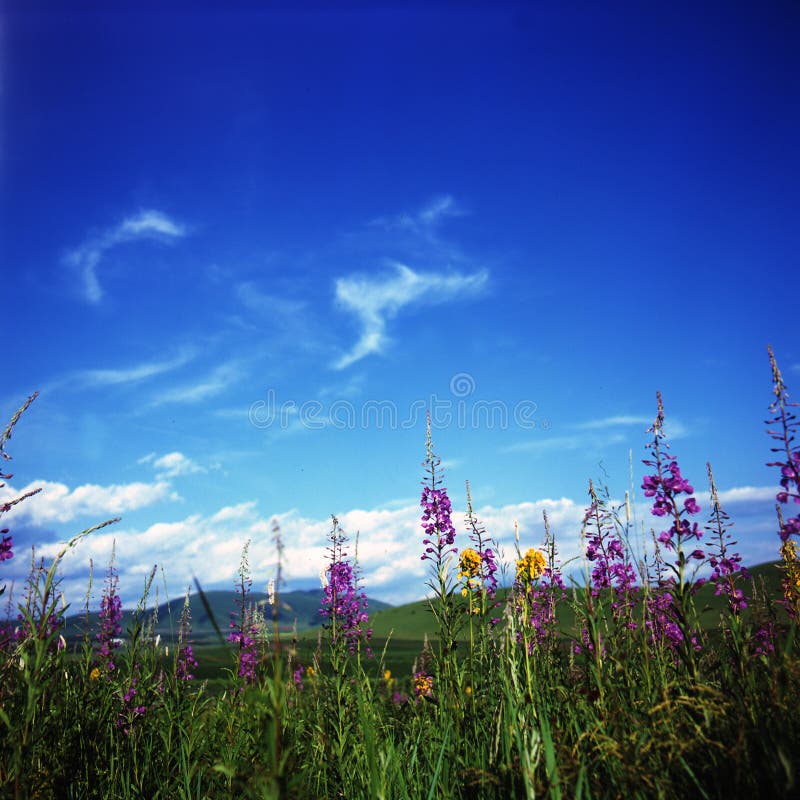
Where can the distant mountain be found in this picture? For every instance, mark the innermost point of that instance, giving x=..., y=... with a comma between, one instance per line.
x=300, y=608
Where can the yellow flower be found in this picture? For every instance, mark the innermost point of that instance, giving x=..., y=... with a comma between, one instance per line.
x=469, y=563
x=791, y=569
x=94, y=674
x=467, y=690
x=423, y=685
x=531, y=565
x=310, y=671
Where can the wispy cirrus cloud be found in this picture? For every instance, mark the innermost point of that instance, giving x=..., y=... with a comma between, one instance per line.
x=116, y=376
x=612, y=422
x=86, y=258
x=425, y=219
x=374, y=301
x=594, y=435
x=673, y=428
x=205, y=387
x=589, y=443
x=281, y=308
x=290, y=323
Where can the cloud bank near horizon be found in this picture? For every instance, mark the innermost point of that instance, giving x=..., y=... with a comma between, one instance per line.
x=388, y=537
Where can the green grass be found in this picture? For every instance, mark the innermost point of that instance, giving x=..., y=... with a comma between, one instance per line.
x=399, y=631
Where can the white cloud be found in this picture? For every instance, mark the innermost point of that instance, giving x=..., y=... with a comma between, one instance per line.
x=375, y=300
x=389, y=542
x=86, y=258
x=389, y=545
x=747, y=494
x=612, y=422
x=57, y=503
x=173, y=465
x=673, y=428
x=147, y=222
x=590, y=443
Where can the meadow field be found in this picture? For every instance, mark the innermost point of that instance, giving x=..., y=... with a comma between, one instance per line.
x=668, y=673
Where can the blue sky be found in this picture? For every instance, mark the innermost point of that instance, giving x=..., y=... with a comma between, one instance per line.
x=542, y=212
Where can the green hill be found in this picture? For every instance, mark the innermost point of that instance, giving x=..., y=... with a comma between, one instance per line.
x=414, y=620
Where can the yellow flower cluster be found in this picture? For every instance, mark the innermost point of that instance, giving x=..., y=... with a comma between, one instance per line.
x=469, y=563
x=531, y=565
x=791, y=567
x=423, y=685
x=94, y=674
x=469, y=566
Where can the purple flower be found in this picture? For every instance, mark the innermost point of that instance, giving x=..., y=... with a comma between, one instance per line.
x=6, y=544
x=690, y=504
x=785, y=417
x=185, y=661
x=479, y=576
x=726, y=565
x=437, y=523
x=131, y=710
x=664, y=486
x=344, y=605
x=110, y=616
x=245, y=632
x=667, y=619
x=440, y=535
x=537, y=601
x=297, y=678
x=244, y=636
x=611, y=568
x=660, y=623
x=763, y=643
